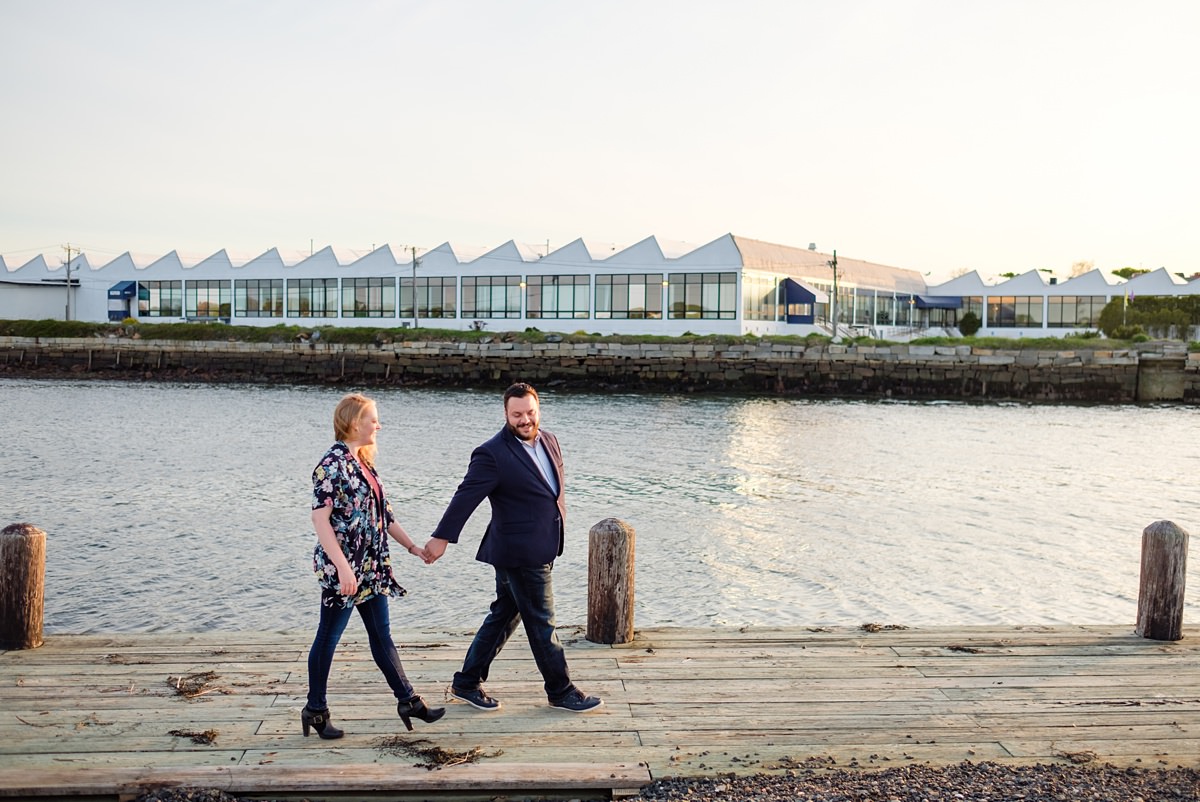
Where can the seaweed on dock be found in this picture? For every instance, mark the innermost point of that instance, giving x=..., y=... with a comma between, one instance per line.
x=872, y=627
x=206, y=737
x=436, y=756
x=192, y=685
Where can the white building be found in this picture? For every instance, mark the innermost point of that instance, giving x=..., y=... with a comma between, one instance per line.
x=732, y=285
x=1030, y=306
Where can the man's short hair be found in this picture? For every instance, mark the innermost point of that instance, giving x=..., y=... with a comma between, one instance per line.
x=520, y=390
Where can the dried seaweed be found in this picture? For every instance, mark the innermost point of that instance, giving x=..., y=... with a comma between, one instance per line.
x=1078, y=757
x=193, y=685
x=436, y=756
x=881, y=627
x=206, y=737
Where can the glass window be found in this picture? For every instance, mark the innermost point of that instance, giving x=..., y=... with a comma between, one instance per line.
x=864, y=307
x=885, y=306
x=973, y=303
x=632, y=296
x=845, y=302
x=160, y=299
x=207, y=299
x=1060, y=311
x=437, y=296
x=557, y=297
x=1074, y=311
x=1012, y=312
x=703, y=295
x=761, y=297
x=312, y=297
x=1028, y=311
x=1088, y=309
x=1002, y=312
x=491, y=296
x=369, y=297
x=258, y=297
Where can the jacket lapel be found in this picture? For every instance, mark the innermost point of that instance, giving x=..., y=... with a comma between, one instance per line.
x=522, y=455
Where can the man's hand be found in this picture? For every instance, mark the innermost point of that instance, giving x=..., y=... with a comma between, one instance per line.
x=434, y=549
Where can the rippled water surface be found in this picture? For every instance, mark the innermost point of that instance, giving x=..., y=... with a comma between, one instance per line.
x=173, y=507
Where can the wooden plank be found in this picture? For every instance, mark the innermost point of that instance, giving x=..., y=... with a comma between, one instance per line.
x=677, y=701
x=257, y=779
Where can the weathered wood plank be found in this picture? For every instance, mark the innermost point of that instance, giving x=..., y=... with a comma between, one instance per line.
x=687, y=701
x=265, y=778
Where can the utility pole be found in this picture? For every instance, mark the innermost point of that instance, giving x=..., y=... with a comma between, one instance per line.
x=68, y=249
x=416, y=305
x=833, y=302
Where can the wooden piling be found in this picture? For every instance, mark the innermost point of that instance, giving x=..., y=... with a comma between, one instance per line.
x=1164, y=576
x=610, y=582
x=22, y=590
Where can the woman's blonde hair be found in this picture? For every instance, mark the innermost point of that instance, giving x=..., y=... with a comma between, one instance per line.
x=345, y=415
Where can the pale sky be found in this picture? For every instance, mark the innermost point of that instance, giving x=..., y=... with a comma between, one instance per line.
x=933, y=135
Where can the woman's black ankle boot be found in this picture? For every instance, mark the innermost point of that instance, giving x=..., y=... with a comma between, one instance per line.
x=319, y=721
x=414, y=707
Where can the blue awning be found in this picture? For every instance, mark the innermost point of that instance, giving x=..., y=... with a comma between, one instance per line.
x=797, y=293
x=124, y=289
x=939, y=302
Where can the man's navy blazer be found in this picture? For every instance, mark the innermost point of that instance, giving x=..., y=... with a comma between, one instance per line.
x=528, y=517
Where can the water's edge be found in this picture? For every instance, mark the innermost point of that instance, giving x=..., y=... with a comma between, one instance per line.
x=1153, y=373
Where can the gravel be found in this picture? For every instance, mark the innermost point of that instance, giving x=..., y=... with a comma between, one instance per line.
x=969, y=782
x=965, y=782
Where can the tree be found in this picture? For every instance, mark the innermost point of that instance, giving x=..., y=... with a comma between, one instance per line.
x=969, y=324
x=1081, y=267
x=1152, y=313
x=1129, y=272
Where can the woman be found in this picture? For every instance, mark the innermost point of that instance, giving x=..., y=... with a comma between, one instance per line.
x=353, y=518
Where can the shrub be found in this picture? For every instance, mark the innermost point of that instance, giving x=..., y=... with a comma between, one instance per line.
x=1127, y=332
x=969, y=324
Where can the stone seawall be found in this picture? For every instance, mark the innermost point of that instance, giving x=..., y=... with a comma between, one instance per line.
x=1153, y=372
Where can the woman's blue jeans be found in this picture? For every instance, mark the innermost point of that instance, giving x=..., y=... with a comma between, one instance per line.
x=522, y=595
x=374, y=613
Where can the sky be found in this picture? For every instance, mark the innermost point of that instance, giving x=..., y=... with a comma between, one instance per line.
x=936, y=135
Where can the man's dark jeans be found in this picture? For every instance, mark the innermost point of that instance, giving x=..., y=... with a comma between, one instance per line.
x=522, y=595
x=377, y=621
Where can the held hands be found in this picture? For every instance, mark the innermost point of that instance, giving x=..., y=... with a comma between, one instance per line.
x=434, y=550
x=420, y=552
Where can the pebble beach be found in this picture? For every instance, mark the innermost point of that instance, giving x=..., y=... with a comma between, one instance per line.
x=965, y=782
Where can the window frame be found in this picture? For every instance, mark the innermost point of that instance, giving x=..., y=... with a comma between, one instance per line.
x=269, y=306
x=702, y=296
x=377, y=296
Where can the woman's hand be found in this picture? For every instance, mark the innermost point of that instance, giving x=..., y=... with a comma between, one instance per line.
x=347, y=582
x=420, y=552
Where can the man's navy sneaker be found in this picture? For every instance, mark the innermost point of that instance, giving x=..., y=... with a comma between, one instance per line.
x=577, y=702
x=475, y=698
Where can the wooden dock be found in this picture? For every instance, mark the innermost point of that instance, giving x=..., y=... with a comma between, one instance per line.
x=109, y=716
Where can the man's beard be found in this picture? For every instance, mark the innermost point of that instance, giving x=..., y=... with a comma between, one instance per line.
x=517, y=433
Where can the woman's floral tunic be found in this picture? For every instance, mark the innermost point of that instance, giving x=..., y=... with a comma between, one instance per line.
x=360, y=526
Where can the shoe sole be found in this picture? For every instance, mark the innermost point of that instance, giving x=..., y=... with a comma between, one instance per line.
x=584, y=710
x=454, y=695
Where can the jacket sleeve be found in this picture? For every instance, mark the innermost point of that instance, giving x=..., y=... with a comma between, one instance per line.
x=481, y=479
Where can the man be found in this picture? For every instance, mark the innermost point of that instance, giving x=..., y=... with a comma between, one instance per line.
x=520, y=471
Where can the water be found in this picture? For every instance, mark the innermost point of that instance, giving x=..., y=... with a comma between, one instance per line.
x=178, y=508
